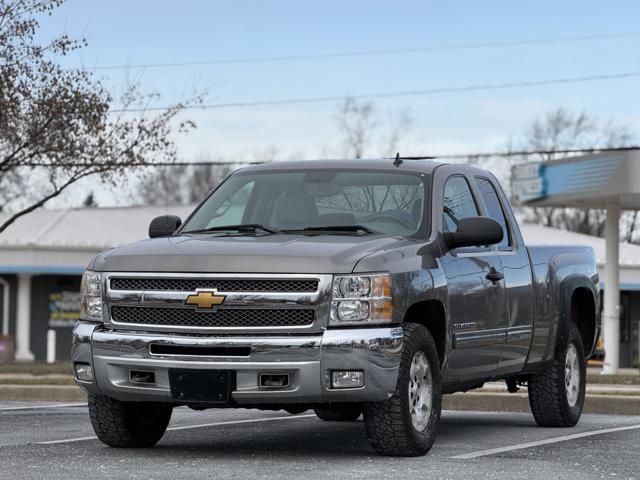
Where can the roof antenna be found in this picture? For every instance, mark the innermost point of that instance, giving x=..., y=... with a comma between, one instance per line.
x=398, y=161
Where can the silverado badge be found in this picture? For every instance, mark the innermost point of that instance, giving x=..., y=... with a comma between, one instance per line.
x=204, y=299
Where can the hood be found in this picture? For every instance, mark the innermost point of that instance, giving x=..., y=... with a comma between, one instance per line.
x=243, y=254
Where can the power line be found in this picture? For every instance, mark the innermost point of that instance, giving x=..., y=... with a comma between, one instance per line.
x=406, y=93
x=516, y=153
x=142, y=164
x=368, y=53
x=523, y=153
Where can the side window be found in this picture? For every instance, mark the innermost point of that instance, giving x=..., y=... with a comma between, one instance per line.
x=494, y=208
x=457, y=204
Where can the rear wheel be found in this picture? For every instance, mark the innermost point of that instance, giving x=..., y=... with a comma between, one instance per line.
x=406, y=423
x=339, y=413
x=556, y=394
x=128, y=424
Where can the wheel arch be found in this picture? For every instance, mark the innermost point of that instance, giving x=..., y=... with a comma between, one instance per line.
x=431, y=314
x=580, y=307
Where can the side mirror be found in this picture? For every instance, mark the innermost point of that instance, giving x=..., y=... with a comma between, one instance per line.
x=164, y=226
x=475, y=231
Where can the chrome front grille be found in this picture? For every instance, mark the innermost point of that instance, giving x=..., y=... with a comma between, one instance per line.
x=247, y=318
x=256, y=303
x=222, y=285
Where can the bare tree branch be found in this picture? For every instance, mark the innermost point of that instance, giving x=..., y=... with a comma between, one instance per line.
x=54, y=117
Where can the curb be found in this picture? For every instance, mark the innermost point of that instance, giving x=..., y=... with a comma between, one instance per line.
x=519, y=402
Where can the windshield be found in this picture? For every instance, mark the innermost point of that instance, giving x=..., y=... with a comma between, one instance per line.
x=319, y=201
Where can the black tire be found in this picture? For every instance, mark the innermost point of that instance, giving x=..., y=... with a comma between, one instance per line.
x=339, y=413
x=128, y=424
x=548, y=396
x=389, y=424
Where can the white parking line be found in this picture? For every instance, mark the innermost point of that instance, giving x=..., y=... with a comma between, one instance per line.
x=546, y=441
x=40, y=407
x=190, y=427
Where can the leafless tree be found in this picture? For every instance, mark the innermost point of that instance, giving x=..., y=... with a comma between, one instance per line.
x=356, y=121
x=181, y=185
x=364, y=129
x=60, y=125
x=185, y=184
x=90, y=201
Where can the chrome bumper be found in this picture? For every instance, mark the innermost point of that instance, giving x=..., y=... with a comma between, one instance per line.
x=308, y=359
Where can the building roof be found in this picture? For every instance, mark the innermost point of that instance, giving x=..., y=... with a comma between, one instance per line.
x=94, y=228
x=65, y=240
x=537, y=234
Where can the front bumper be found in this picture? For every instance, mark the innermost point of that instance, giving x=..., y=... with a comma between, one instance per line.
x=307, y=359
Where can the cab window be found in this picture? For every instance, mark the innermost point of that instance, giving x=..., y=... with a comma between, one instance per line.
x=458, y=203
x=494, y=208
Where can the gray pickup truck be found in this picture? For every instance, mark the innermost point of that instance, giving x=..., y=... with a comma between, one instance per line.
x=347, y=287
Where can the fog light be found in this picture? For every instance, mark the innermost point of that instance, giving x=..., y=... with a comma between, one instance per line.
x=138, y=376
x=84, y=372
x=347, y=379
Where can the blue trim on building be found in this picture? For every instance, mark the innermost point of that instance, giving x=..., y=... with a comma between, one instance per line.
x=538, y=180
x=581, y=176
x=41, y=269
x=628, y=286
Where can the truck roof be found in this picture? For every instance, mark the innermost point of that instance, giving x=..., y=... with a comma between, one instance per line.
x=417, y=166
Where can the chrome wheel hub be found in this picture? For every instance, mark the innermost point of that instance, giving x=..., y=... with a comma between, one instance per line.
x=572, y=374
x=420, y=391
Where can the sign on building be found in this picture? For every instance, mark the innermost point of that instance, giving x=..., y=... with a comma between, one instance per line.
x=64, y=308
x=527, y=182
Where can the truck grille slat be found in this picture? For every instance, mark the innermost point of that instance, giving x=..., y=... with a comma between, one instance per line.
x=222, y=285
x=222, y=318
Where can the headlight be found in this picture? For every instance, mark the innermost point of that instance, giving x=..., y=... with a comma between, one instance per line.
x=359, y=299
x=91, y=296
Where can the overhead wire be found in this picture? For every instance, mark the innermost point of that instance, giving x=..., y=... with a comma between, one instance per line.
x=382, y=95
x=365, y=53
x=515, y=153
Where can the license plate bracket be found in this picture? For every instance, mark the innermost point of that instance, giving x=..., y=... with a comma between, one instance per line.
x=201, y=386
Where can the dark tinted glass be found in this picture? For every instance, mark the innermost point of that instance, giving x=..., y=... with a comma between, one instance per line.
x=494, y=208
x=458, y=203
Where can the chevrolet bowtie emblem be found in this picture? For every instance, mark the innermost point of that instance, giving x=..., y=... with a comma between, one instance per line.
x=204, y=299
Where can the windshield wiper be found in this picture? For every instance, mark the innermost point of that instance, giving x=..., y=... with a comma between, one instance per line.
x=334, y=228
x=243, y=228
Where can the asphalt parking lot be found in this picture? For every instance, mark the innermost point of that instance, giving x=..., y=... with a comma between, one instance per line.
x=55, y=441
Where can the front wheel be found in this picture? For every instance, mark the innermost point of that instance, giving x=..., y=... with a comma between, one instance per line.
x=405, y=424
x=556, y=394
x=128, y=424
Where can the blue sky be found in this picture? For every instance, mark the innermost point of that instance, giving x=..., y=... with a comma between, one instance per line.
x=144, y=31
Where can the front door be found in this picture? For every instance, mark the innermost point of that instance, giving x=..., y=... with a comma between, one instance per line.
x=476, y=294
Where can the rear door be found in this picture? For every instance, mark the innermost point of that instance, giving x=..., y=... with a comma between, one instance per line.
x=476, y=293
